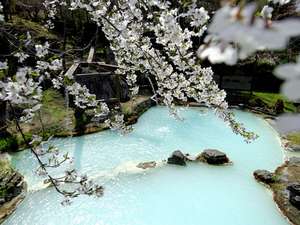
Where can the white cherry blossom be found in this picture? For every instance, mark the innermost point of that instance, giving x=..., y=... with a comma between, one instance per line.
x=3, y=65
x=249, y=34
x=291, y=74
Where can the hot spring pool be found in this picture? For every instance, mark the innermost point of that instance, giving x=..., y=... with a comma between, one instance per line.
x=198, y=194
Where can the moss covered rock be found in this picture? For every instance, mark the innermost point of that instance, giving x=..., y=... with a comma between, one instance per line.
x=12, y=188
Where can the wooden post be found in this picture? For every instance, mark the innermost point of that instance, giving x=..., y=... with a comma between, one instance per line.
x=118, y=88
x=91, y=55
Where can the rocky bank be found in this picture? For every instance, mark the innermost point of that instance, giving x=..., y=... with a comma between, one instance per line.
x=12, y=188
x=284, y=183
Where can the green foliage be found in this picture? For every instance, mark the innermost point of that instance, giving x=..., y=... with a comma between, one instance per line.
x=8, y=143
x=37, y=31
x=2, y=74
x=3, y=192
x=271, y=98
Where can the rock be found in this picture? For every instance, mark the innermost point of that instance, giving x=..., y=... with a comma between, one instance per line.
x=294, y=189
x=2, y=201
x=295, y=201
x=146, y=165
x=295, y=148
x=257, y=102
x=177, y=158
x=12, y=189
x=124, y=92
x=264, y=176
x=294, y=161
x=294, y=198
x=279, y=106
x=213, y=156
x=286, y=189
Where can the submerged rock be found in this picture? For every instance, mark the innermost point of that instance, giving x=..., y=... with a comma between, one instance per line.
x=177, y=158
x=264, y=176
x=146, y=165
x=213, y=156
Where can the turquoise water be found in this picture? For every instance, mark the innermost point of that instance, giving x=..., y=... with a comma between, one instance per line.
x=198, y=194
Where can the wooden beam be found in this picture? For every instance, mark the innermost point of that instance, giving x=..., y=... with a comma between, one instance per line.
x=72, y=70
x=109, y=100
x=95, y=74
x=108, y=65
x=91, y=55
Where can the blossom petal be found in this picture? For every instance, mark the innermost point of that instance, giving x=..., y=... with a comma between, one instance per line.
x=291, y=89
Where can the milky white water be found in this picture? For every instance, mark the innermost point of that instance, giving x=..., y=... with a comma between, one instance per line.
x=198, y=194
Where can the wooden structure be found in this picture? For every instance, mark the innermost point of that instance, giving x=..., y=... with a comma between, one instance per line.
x=235, y=83
x=98, y=77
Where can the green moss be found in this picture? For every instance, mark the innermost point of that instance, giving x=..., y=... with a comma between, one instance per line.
x=266, y=61
x=127, y=109
x=5, y=167
x=37, y=30
x=54, y=105
x=53, y=115
x=294, y=138
x=131, y=107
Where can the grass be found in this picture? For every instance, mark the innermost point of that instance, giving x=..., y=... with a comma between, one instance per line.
x=53, y=115
x=270, y=100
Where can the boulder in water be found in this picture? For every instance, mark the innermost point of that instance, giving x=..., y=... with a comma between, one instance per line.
x=264, y=176
x=146, y=165
x=177, y=158
x=294, y=189
x=213, y=156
